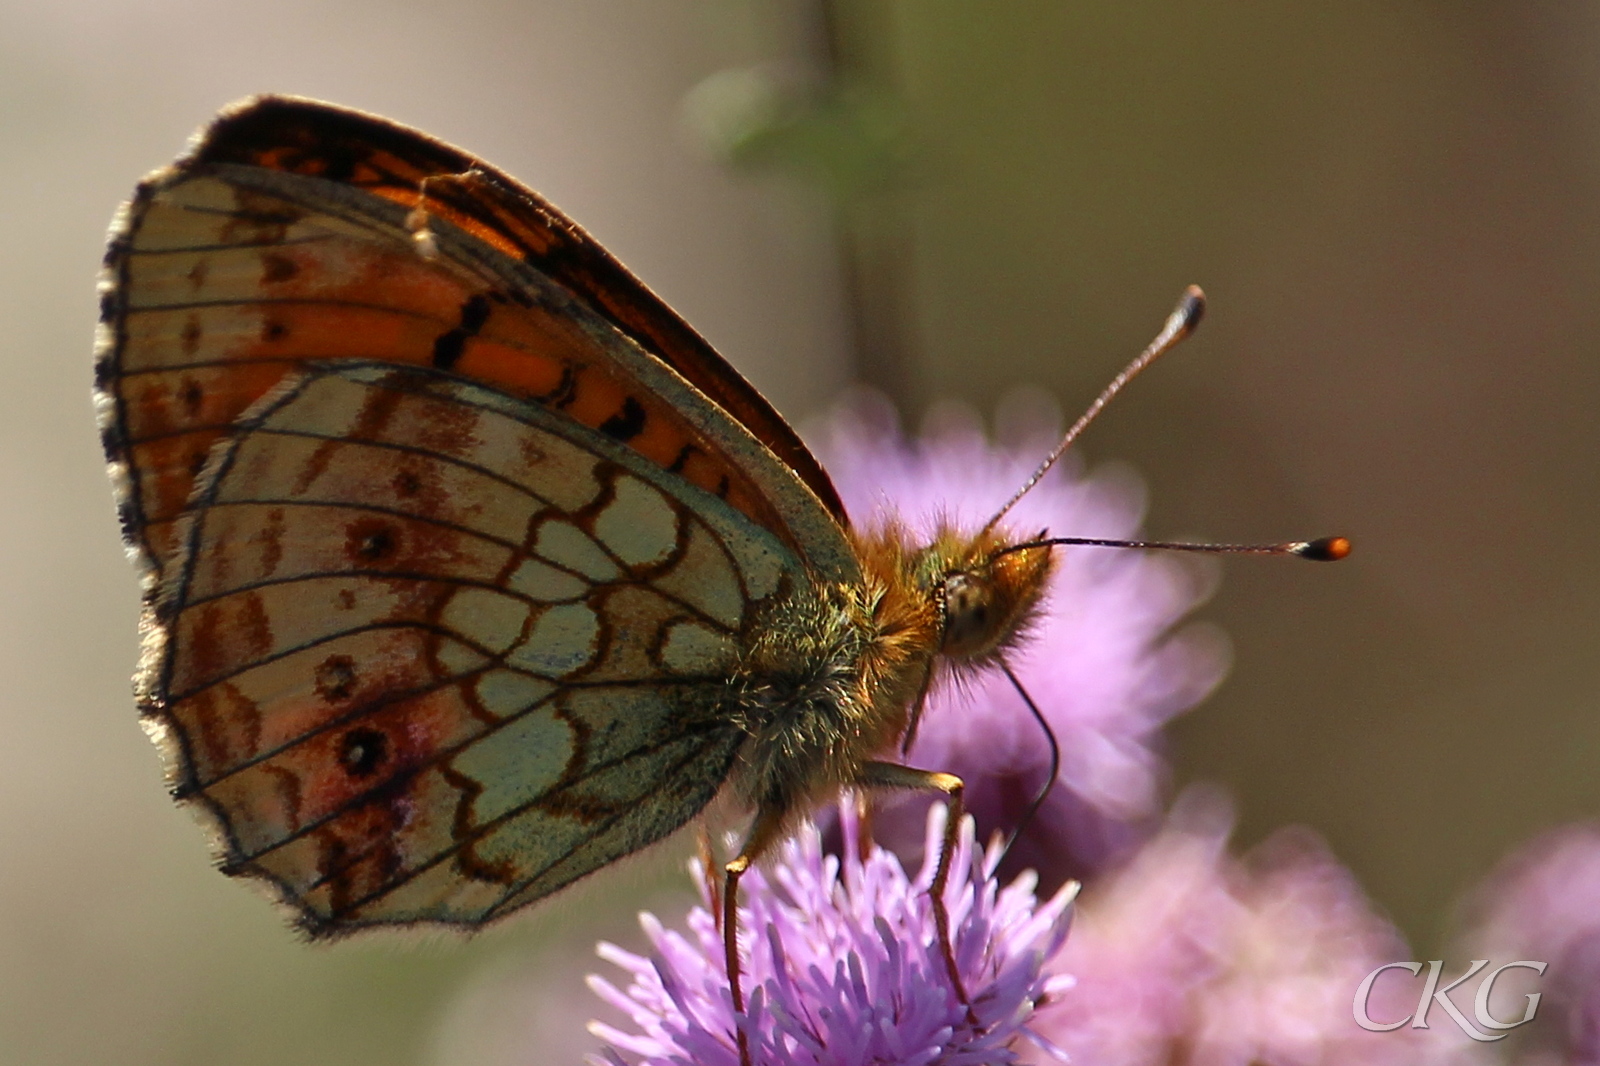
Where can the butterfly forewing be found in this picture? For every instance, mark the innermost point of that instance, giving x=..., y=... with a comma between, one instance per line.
x=385, y=159
x=284, y=239
x=431, y=652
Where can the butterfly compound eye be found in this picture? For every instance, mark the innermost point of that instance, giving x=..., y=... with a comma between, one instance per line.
x=969, y=615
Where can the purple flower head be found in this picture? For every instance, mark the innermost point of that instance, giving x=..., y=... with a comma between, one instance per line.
x=843, y=965
x=1103, y=665
x=1542, y=904
x=1187, y=954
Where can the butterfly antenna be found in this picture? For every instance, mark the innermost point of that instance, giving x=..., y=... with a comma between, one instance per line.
x=1182, y=322
x=1321, y=550
x=1055, y=763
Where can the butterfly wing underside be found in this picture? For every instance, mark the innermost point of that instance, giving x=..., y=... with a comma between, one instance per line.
x=433, y=653
x=450, y=545
x=286, y=236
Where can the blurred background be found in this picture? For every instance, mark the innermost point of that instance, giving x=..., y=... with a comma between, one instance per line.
x=1392, y=207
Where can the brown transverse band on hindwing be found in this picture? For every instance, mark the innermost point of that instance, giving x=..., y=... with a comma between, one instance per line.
x=204, y=325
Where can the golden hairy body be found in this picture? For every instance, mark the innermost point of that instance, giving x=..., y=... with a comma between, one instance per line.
x=832, y=678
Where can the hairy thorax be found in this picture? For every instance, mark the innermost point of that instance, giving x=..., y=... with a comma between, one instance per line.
x=832, y=674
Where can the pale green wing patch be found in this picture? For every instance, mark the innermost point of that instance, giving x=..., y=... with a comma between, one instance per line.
x=432, y=653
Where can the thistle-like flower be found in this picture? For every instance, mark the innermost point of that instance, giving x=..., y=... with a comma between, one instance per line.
x=1188, y=954
x=1103, y=663
x=1539, y=905
x=844, y=965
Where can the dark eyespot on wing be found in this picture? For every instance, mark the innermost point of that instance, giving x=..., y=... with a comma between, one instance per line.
x=362, y=751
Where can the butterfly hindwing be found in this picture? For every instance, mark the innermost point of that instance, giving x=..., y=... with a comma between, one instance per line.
x=431, y=652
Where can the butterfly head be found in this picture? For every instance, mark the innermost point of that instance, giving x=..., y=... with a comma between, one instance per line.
x=952, y=605
x=986, y=591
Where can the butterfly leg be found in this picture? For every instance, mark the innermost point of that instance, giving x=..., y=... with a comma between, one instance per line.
x=892, y=775
x=863, y=801
x=706, y=849
x=767, y=830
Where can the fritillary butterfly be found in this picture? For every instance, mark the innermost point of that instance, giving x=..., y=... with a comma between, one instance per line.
x=471, y=567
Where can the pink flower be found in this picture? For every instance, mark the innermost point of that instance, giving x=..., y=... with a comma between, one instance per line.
x=1542, y=904
x=1104, y=664
x=1188, y=955
x=843, y=966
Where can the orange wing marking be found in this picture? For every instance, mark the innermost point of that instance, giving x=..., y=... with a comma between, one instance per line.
x=205, y=327
x=395, y=162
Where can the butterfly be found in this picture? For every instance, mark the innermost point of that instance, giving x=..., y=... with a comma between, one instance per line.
x=469, y=566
